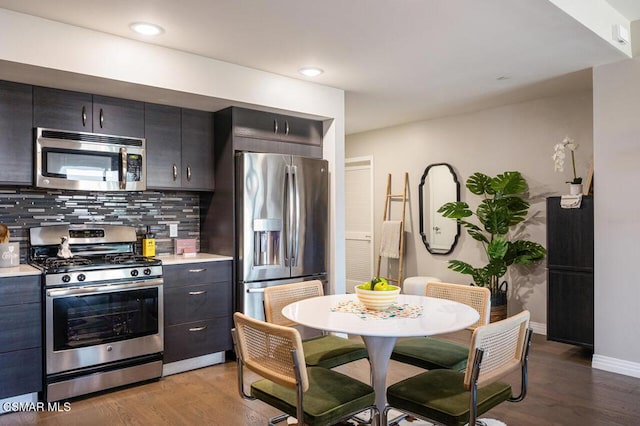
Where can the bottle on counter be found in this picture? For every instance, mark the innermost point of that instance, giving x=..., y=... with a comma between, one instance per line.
x=149, y=244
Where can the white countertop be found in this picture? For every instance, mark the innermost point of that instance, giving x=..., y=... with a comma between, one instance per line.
x=25, y=269
x=17, y=271
x=171, y=259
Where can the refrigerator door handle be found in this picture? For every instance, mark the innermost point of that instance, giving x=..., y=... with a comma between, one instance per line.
x=289, y=216
x=296, y=214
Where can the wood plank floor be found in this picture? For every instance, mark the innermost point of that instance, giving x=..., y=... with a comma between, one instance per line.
x=564, y=390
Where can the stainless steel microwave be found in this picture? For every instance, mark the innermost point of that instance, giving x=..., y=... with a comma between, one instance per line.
x=89, y=161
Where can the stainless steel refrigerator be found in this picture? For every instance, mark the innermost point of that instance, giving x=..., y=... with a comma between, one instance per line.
x=281, y=224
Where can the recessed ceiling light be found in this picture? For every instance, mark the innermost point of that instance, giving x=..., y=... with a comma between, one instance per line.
x=146, y=28
x=310, y=71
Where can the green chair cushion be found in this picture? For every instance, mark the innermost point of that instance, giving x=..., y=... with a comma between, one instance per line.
x=331, y=396
x=331, y=351
x=430, y=353
x=440, y=395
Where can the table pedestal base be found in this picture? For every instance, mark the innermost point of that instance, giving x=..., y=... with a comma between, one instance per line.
x=379, y=349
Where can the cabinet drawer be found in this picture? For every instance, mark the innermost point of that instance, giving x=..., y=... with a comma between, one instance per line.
x=20, y=372
x=196, y=339
x=18, y=290
x=20, y=325
x=197, y=302
x=196, y=273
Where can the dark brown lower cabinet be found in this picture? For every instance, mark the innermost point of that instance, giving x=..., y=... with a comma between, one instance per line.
x=570, y=316
x=197, y=310
x=20, y=336
x=570, y=290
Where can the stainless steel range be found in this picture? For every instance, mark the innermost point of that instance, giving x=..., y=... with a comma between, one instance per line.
x=103, y=320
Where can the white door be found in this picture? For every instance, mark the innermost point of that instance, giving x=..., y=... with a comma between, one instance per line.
x=359, y=220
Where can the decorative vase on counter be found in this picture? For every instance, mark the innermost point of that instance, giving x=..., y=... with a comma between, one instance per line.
x=9, y=255
x=575, y=188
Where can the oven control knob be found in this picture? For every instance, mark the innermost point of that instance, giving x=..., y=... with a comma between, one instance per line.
x=81, y=277
x=66, y=278
x=134, y=272
x=147, y=271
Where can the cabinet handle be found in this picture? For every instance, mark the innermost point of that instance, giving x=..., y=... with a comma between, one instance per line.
x=189, y=173
x=198, y=328
x=286, y=127
x=197, y=293
x=101, y=118
x=275, y=126
x=197, y=270
x=84, y=115
x=175, y=172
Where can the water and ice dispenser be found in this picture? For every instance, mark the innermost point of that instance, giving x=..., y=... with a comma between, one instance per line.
x=266, y=241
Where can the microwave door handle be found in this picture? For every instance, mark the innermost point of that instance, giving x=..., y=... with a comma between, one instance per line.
x=123, y=168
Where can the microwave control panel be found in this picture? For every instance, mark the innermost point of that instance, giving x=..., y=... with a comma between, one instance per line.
x=134, y=168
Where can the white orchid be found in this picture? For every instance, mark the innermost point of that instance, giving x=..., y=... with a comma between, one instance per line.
x=559, y=156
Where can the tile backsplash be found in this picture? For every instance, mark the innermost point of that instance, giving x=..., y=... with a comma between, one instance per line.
x=21, y=209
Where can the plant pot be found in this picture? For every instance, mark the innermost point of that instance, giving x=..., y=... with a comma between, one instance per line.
x=499, y=303
x=575, y=188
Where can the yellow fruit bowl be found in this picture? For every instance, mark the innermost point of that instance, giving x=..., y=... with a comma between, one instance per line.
x=378, y=300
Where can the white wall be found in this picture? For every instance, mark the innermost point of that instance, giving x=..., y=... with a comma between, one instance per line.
x=616, y=94
x=515, y=137
x=43, y=52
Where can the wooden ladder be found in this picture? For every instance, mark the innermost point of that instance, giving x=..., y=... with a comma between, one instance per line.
x=387, y=216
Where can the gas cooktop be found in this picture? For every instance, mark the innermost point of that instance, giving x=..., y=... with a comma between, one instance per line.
x=84, y=254
x=55, y=264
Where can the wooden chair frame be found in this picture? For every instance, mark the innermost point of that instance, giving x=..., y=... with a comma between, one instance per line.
x=496, y=350
x=274, y=352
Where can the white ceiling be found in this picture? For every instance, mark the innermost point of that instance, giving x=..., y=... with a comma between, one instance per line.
x=398, y=61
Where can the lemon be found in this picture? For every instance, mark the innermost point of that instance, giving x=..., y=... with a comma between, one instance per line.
x=366, y=286
x=381, y=286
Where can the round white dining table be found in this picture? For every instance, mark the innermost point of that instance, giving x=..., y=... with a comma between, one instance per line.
x=380, y=334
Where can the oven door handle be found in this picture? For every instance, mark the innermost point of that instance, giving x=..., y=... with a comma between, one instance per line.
x=103, y=288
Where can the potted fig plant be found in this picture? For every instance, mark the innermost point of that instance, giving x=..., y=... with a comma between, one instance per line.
x=502, y=208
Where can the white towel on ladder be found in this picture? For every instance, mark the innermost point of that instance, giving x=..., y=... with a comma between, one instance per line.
x=390, y=239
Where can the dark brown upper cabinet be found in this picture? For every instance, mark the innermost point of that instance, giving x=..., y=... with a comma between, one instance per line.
x=269, y=126
x=83, y=112
x=164, y=146
x=179, y=148
x=16, y=135
x=197, y=150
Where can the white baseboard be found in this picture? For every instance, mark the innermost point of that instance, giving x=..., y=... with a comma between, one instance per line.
x=538, y=328
x=614, y=365
x=192, y=363
x=600, y=362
